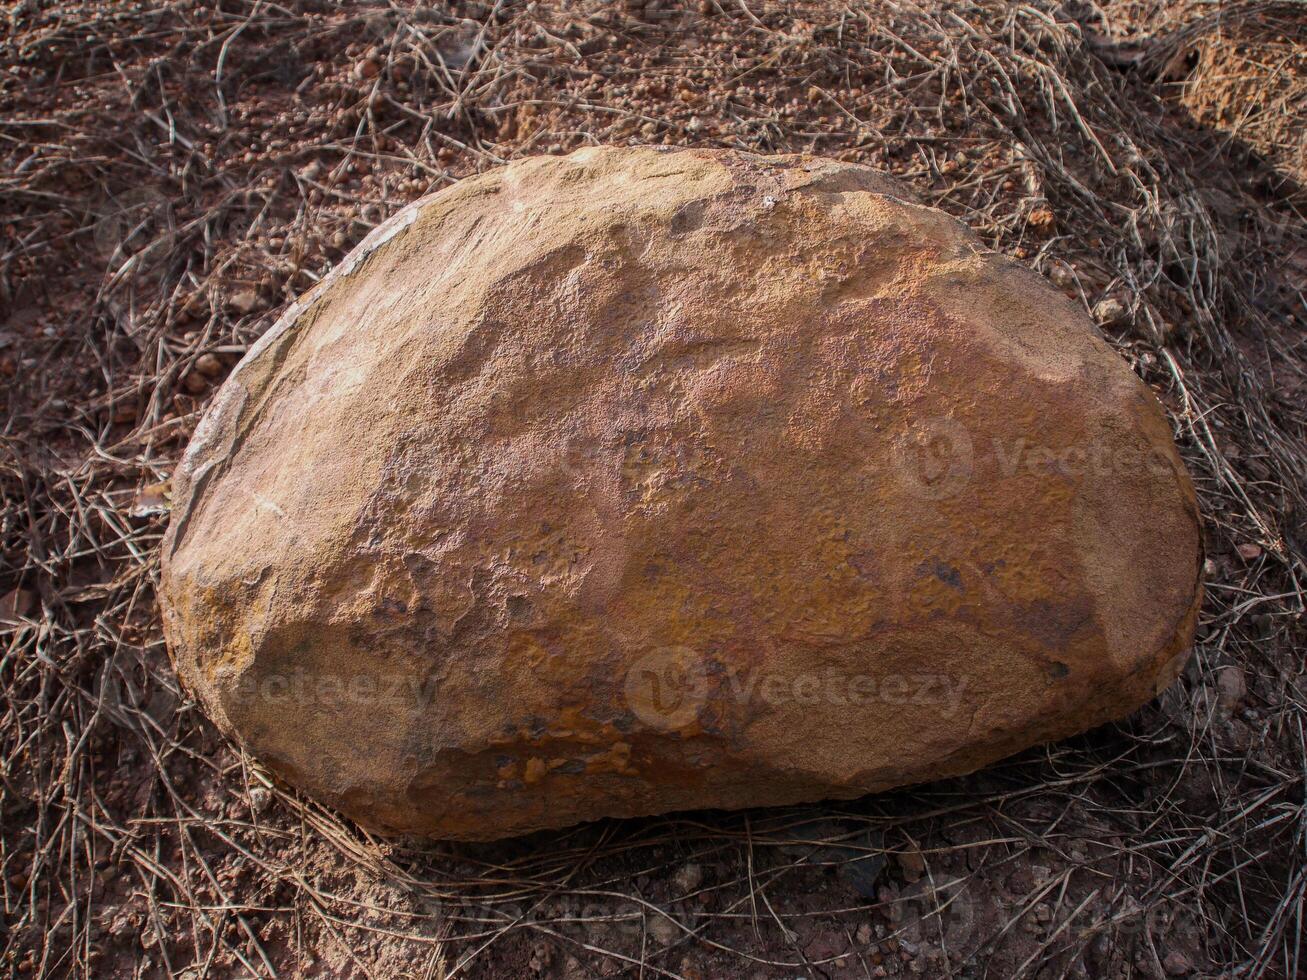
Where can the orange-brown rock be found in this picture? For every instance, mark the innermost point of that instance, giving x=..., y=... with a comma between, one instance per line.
x=644, y=479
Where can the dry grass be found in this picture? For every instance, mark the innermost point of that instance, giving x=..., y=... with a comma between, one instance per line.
x=173, y=172
x=1240, y=69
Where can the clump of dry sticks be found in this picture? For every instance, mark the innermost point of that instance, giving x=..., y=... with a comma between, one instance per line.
x=171, y=173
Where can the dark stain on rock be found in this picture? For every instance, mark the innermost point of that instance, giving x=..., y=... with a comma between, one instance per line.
x=943, y=571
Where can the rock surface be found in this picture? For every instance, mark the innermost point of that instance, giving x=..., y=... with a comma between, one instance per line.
x=641, y=479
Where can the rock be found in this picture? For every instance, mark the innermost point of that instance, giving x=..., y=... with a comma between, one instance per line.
x=1231, y=690
x=689, y=878
x=663, y=930
x=541, y=955
x=644, y=479
x=1177, y=964
x=911, y=864
x=245, y=301
x=1043, y=221
x=861, y=873
x=151, y=500
x=209, y=365
x=1061, y=274
x=1109, y=311
x=1237, y=736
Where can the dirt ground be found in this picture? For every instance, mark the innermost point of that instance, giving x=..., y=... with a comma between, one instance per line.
x=173, y=173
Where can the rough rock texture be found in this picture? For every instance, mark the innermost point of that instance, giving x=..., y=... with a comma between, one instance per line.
x=643, y=479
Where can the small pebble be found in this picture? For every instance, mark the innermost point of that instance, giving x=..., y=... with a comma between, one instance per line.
x=209, y=365
x=1177, y=964
x=912, y=864
x=1232, y=689
x=1042, y=219
x=1109, y=311
x=663, y=930
x=245, y=302
x=689, y=878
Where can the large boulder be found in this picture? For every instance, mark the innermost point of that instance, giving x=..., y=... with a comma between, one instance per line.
x=640, y=480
